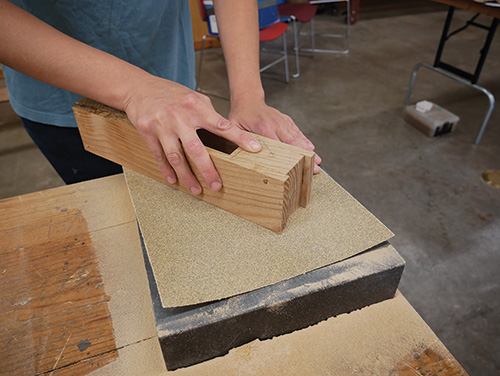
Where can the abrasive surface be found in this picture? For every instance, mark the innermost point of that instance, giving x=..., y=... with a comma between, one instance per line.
x=201, y=253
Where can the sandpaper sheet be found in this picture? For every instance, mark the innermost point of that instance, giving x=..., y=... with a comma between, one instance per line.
x=201, y=253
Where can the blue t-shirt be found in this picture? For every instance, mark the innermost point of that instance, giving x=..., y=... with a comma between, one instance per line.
x=155, y=35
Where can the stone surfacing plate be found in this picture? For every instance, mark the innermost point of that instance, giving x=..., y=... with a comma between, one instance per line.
x=201, y=253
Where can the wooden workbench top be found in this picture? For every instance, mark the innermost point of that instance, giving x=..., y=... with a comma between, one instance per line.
x=473, y=6
x=75, y=300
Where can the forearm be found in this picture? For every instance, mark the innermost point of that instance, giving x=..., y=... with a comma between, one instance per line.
x=238, y=25
x=32, y=47
x=239, y=33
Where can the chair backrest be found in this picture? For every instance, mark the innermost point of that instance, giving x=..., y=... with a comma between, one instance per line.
x=268, y=13
x=203, y=11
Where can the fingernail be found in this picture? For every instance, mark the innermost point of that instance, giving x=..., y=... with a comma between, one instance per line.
x=215, y=186
x=254, y=145
x=195, y=190
x=171, y=179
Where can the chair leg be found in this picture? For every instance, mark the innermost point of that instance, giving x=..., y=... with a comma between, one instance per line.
x=348, y=27
x=198, y=76
x=285, y=54
x=296, y=42
x=346, y=36
x=313, y=44
x=283, y=57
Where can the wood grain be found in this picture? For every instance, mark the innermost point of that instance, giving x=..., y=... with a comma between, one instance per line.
x=431, y=363
x=265, y=188
x=43, y=216
x=54, y=308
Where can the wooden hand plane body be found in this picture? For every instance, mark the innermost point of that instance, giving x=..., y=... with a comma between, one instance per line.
x=264, y=187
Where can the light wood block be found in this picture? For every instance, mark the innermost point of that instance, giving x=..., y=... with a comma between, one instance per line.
x=265, y=188
x=4, y=94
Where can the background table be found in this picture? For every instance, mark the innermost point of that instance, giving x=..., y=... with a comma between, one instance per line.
x=449, y=70
x=473, y=7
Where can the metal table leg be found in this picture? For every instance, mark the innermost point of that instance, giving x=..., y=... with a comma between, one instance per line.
x=445, y=73
x=459, y=75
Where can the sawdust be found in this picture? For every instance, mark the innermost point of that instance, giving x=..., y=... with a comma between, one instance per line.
x=201, y=253
x=377, y=340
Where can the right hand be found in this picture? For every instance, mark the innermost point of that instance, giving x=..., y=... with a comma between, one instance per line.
x=167, y=115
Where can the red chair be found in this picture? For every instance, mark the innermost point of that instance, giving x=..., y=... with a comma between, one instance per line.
x=294, y=13
x=313, y=34
x=290, y=10
x=272, y=30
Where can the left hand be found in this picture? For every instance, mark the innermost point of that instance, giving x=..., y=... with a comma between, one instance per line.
x=257, y=117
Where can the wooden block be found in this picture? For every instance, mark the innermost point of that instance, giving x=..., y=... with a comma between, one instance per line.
x=265, y=187
x=4, y=94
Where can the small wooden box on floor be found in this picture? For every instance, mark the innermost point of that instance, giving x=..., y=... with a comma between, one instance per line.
x=265, y=187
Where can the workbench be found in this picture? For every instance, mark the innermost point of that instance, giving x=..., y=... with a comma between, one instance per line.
x=4, y=94
x=75, y=300
x=448, y=70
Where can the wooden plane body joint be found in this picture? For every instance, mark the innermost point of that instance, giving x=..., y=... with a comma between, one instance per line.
x=265, y=187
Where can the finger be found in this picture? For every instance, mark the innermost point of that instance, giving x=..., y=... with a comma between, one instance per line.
x=290, y=133
x=159, y=156
x=299, y=139
x=197, y=152
x=175, y=157
x=294, y=136
x=230, y=131
x=259, y=126
x=317, y=162
x=285, y=135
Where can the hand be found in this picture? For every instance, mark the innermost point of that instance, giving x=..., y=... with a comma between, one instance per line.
x=167, y=115
x=257, y=117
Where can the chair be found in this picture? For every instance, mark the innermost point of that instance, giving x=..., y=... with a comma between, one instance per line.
x=269, y=25
x=346, y=35
x=295, y=9
x=294, y=13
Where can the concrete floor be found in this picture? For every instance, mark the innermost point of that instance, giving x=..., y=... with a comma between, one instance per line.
x=428, y=191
